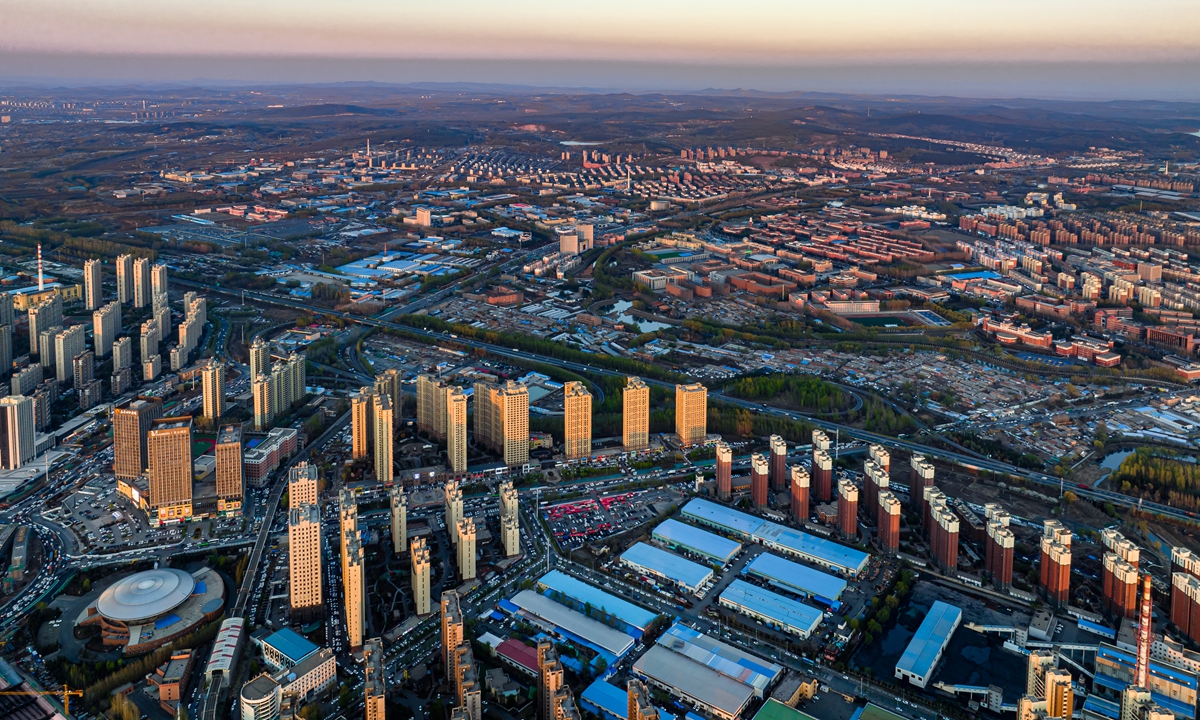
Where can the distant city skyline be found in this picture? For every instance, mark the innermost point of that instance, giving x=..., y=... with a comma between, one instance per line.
x=1071, y=49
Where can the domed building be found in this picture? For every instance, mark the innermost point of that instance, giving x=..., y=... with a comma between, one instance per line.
x=146, y=610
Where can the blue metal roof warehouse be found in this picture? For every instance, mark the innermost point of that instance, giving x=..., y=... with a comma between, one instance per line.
x=795, y=577
x=841, y=558
x=726, y=659
x=675, y=534
x=925, y=649
x=789, y=615
x=584, y=594
x=656, y=561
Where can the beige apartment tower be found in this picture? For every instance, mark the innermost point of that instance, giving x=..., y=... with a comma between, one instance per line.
x=264, y=407
x=454, y=508
x=577, y=421
x=360, y=423
x=512, y=411
x=510, y=536
x=431, y=406
x=691, y=413
x=212, y=379
x=141, y=282
x=106, y=323
x=374, y=681
x=452, y=631
x=169, y=458
x=635, y=414
x=91, y=285
x=485, y=411
x=456, y=430
x=509, y=501
x=131, y=423
x=231, y=486
x=381, y=416
x=419, y=555
x=124, y=278
x=399, y=507
x=304, y=562
x=640, y=706
x=260, y=357
x=354, y=591
x=466, y=549
x=302, y=485
x=389, y=383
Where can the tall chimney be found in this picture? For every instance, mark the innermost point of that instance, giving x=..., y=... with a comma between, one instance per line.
x=1142, y=679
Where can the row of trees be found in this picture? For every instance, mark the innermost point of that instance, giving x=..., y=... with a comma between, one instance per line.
x=801, y=392
x=1160, y=475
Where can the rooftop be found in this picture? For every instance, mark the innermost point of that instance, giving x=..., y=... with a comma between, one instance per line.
x=145, y=595
x=796, y=577
x=927, y=643
x=788, y=613
x=292, y=645
x=694, y=680
x=725, y=659
x=693, y=538
x=669, y=565
x=778, y=536
x=260, y=688
x=574, y=623
x=775, y=710
x=584, y=593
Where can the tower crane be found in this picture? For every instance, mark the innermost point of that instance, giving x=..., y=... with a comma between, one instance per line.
x=65, y=694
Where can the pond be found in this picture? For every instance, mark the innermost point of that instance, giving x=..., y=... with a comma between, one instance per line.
x=621, y=310
x=1112, y=461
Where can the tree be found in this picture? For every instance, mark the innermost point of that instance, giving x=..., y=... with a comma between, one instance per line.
x=1069, y=497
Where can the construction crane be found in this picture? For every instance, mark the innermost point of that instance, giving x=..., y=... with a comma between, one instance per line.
x=66, y=694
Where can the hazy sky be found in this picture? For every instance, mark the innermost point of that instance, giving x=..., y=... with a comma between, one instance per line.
x=365, y=36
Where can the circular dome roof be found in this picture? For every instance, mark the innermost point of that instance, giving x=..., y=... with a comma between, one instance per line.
x=146, y=595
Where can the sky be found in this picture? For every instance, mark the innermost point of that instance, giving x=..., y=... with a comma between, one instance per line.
x=1106, y=48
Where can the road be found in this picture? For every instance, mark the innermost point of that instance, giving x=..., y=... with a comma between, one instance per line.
x=249, y=580
x=969, y=461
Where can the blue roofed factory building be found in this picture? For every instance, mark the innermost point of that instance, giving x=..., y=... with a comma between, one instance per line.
x=659, y=563
x=796, y=578
x=1171, y=687
x=773, y=609
x=286, y=648
x=726, y=659
x=924, y=651
x=609, y=701
x=581, y=596
x=689, y=538
x=789, y=541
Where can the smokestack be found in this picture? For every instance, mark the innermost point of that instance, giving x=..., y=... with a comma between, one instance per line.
x=1142, y=678
x=41, y=277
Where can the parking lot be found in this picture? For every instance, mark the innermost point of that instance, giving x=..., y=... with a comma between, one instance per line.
x=596, y=516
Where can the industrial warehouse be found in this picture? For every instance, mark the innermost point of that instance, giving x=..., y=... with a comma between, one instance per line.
x=658, y=563
x=925, y=649
x=839, y=558
x=562, y=587
x=562, y=620
x=796, y=578
x=688, y=538
x=773, y=609
x=718, y=695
